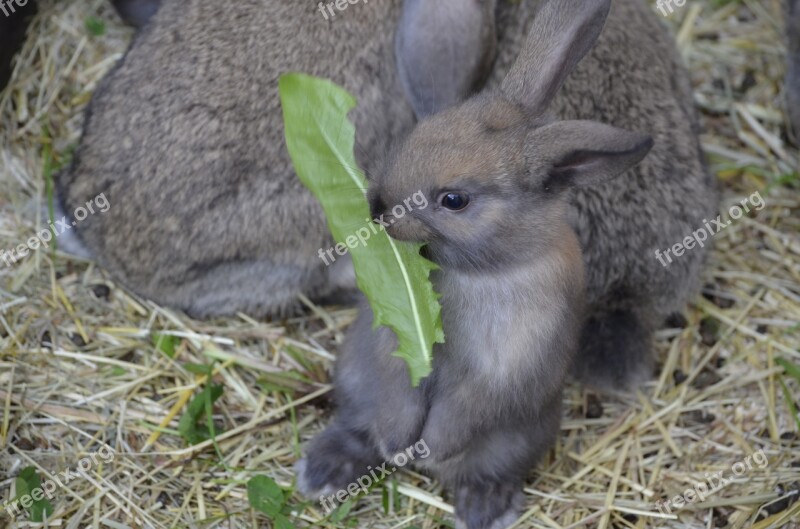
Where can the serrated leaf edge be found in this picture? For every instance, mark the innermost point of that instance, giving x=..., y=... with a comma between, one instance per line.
x=403, y=269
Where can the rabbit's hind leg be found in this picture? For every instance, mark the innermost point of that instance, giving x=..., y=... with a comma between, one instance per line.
x=488, y=504
x=487, y=482
x=615, y=351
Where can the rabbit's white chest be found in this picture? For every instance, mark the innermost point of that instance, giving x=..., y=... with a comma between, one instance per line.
x=499, y=325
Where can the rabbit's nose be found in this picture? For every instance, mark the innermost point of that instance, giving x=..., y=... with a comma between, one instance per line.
x=377, y=207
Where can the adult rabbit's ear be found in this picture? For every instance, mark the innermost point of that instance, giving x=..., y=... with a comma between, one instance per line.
x=136, y=12
x=562, y=33
x=445, y=50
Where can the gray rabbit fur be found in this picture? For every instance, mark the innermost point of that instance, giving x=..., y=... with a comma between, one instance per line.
x=498, y=171
x=185, y=138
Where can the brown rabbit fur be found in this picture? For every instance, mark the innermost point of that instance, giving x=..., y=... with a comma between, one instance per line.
x=185, y=138
x=498, y=171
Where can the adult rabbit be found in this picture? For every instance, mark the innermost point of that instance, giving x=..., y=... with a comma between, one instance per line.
x=185, y=138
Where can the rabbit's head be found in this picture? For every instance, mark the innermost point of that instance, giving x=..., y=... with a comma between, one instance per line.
x=496, y=169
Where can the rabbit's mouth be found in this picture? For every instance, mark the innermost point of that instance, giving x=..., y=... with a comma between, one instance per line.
x=407, y=229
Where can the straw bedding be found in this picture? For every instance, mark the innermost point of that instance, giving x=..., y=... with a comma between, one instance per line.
x=80, y=374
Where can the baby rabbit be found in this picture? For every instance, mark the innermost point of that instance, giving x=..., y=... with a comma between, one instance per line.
x=185, y=138
x=498, y=171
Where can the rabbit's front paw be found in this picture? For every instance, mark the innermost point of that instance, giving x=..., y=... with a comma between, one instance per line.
x=615, y=352
x=487, y=504
x=314, y=478
x=336, y=458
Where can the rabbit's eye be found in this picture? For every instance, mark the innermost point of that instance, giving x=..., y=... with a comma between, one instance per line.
x=455, y=201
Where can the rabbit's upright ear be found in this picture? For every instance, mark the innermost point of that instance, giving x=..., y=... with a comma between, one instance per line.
x=575, y=153
x=562, y=33
x=445, y=50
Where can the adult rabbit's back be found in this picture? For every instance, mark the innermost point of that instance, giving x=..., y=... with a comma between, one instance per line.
x=185, y=138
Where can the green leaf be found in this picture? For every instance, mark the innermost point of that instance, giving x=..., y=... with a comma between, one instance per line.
x=166, y=343
x=396, y=495
x=392, y=274
x=283, y=382
x=791, y=369
x=385, y=499
x=198, y=369
x=21, y=483
x=282, y=522
x=190, y=427
x=342, y=511
x=95, y=26
x=265, y=495
x=27, y=481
